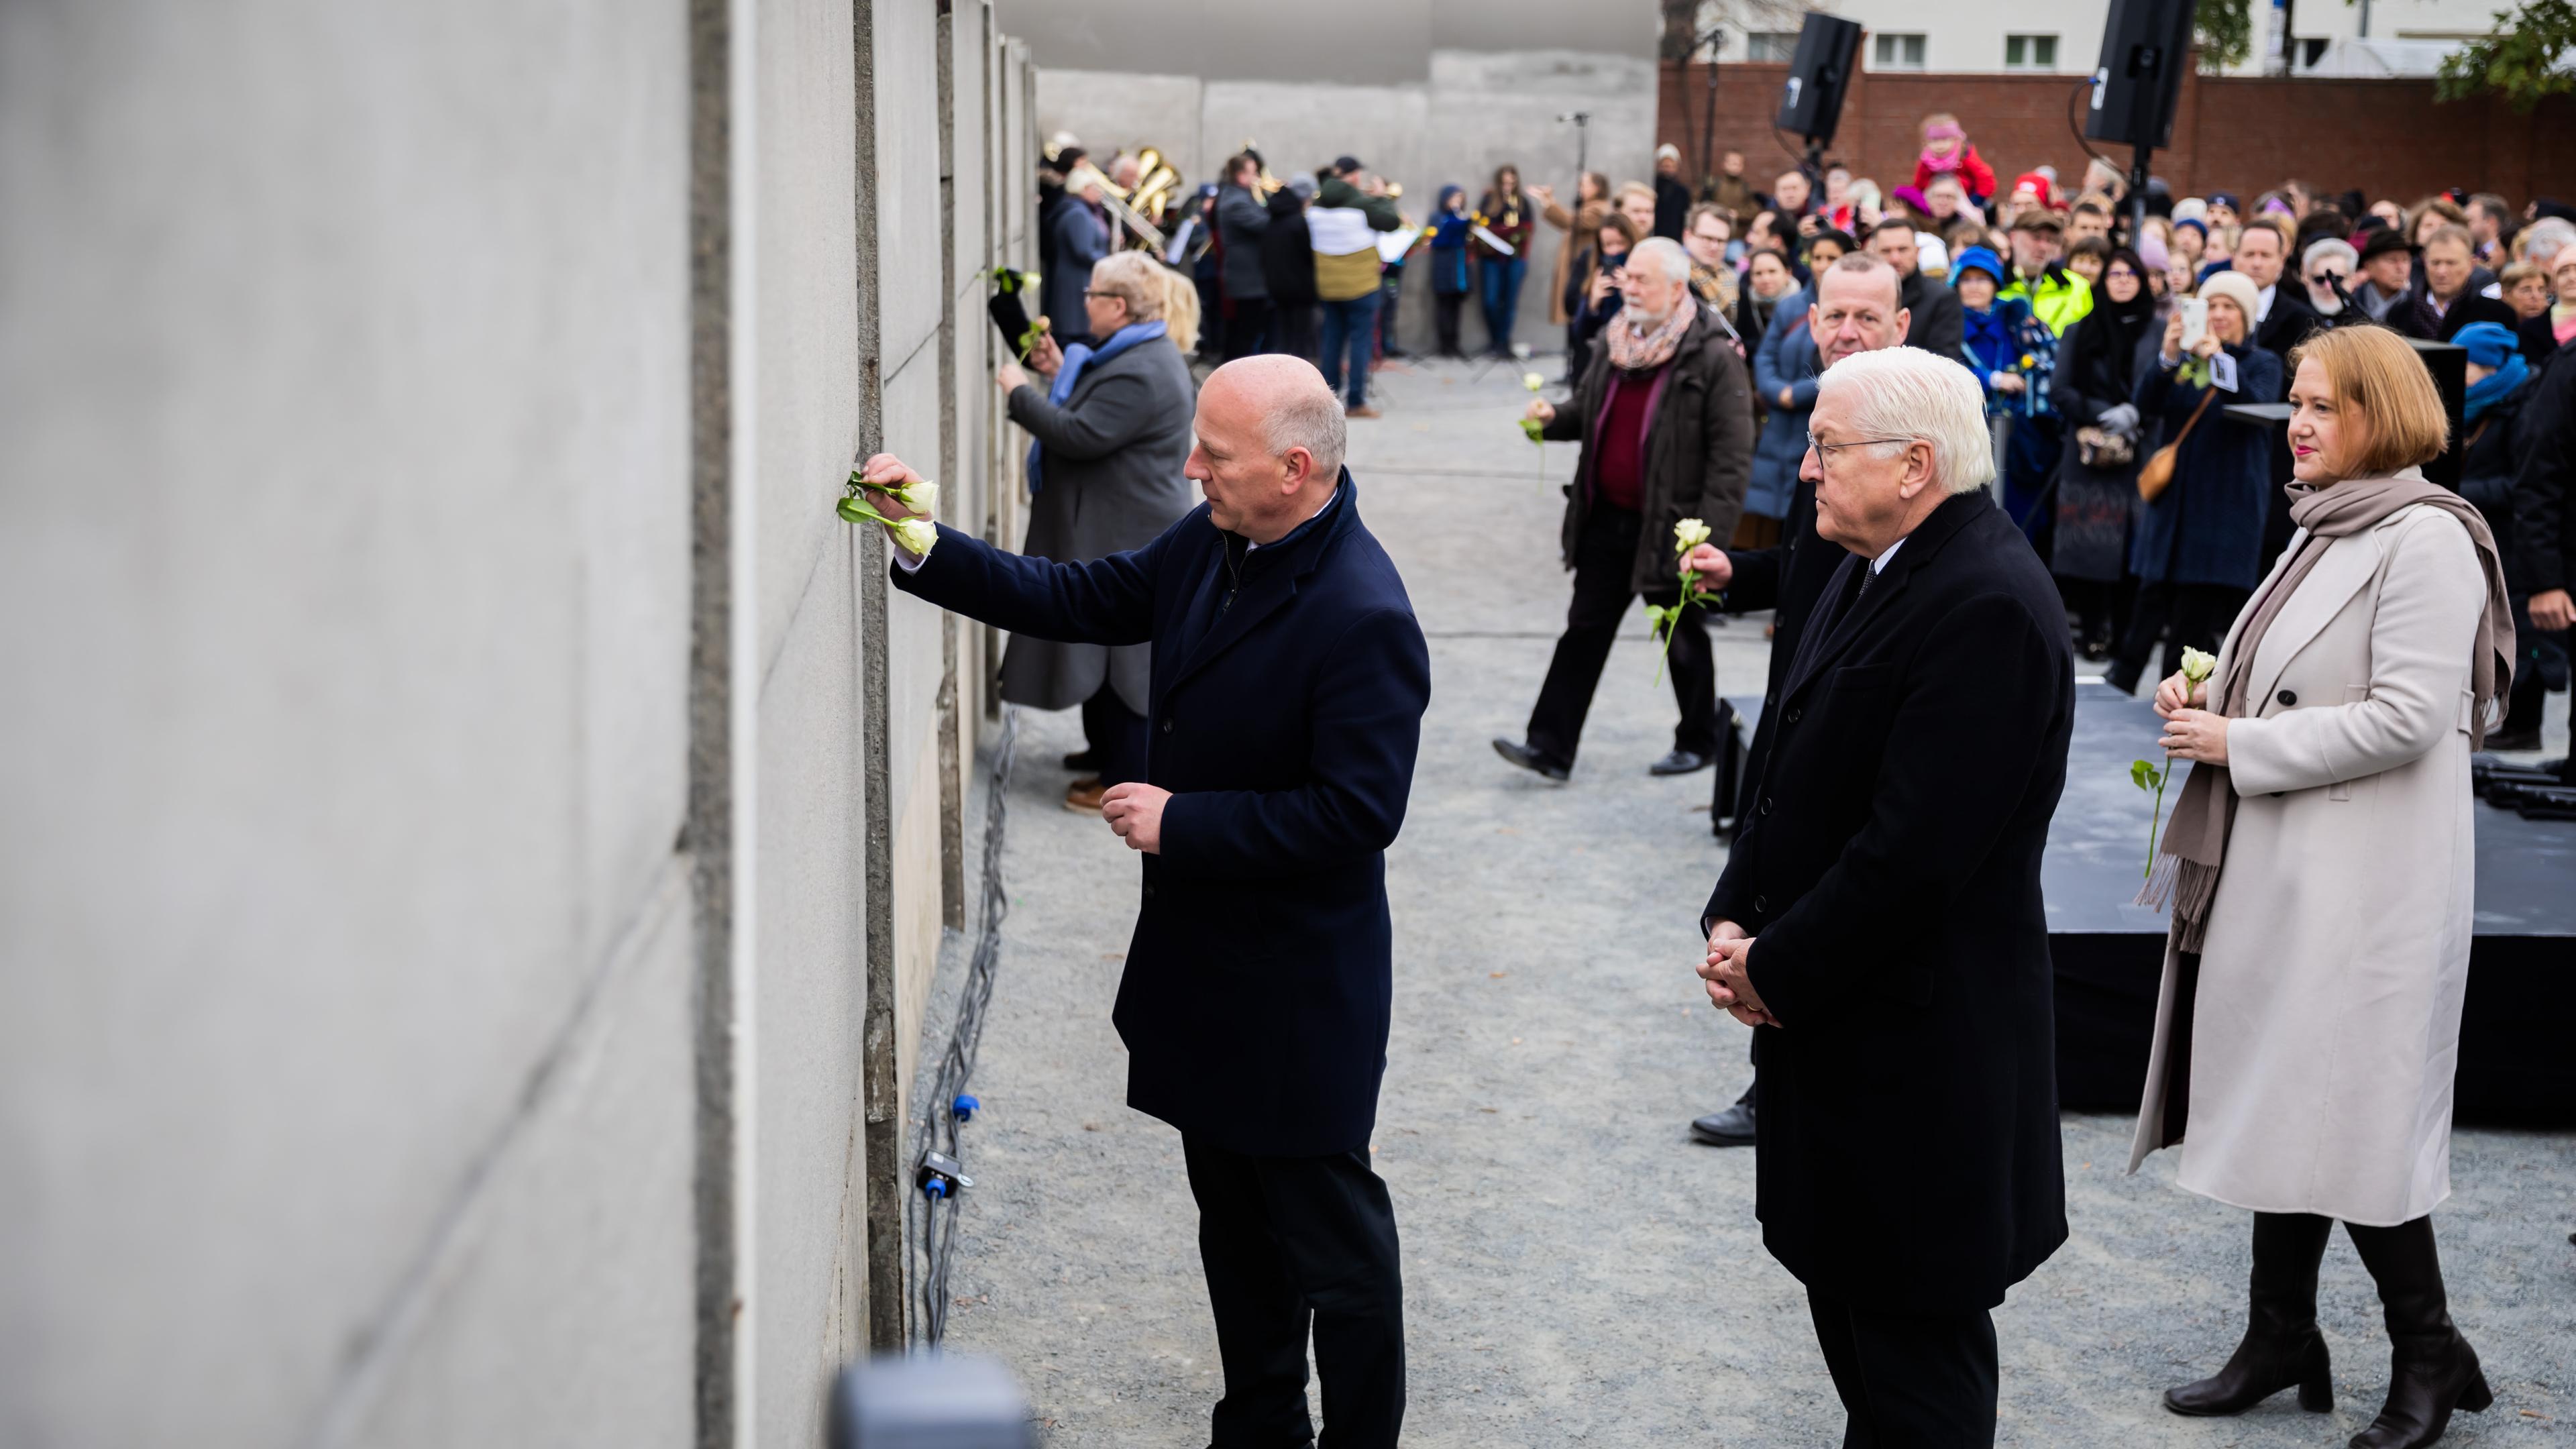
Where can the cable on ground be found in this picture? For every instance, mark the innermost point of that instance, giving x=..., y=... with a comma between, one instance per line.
x=939, y=1175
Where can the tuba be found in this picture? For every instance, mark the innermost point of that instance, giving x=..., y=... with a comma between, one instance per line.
x=1156, y=182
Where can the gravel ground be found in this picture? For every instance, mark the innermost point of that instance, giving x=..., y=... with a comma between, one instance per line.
x=1576, y=1270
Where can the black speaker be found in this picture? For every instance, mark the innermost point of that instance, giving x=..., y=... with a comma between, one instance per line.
x=2146, y=44
x=1812, y=101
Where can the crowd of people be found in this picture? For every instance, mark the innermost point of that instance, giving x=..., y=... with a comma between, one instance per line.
x=2005, y=404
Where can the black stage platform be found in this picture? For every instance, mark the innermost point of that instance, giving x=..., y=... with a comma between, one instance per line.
x=2517, y=1064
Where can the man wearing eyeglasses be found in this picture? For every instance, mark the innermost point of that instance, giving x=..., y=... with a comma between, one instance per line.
x=1880, y=922
x=1859, y=308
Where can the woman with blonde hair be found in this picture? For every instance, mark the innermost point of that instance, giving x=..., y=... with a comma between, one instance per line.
x=1111, y=426
x=2308, y=1024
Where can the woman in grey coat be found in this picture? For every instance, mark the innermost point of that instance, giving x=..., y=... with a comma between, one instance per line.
x=1112, y=426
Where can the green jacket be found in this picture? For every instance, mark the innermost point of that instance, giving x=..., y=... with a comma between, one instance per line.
x=1380, y=210
x=2059, y=298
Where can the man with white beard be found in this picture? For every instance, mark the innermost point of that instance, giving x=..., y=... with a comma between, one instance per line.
x=1665, y=416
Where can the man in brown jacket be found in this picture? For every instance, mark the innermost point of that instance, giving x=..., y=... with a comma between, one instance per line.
x=1665, y=417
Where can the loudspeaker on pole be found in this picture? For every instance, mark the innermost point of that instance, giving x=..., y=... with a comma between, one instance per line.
x=1811, y=101
x=2145, y=46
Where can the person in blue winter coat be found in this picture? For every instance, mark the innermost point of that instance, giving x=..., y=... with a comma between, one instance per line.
x=1784, y=378
x=1450, y=282
x=2013, y=355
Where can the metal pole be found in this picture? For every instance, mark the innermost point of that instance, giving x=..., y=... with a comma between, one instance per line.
x=2138, y=194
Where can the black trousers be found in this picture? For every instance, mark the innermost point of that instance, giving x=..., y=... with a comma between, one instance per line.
x=1293, y=1245
x=1116, y=734
x=1605, y=558
x=2199, y=615
x=1292, y=329
x=1243, y=330
x=1908, y=1380
x=1445, y=307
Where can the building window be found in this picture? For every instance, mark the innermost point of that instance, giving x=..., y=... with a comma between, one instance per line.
x=1897, y=52
x=1770, y=44
x=2030, y=52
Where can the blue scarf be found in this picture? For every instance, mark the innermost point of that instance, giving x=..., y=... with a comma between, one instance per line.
x=1076, y=358
x=2493, y=388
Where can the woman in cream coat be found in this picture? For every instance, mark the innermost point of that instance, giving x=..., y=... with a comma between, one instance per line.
x=2320, y=863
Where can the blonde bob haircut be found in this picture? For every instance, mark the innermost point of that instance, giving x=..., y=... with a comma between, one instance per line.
x=1152, y=291
x=2380, y=383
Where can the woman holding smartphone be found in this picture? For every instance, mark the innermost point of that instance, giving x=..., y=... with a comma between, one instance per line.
x=2308, y=1024
x=2198, y=547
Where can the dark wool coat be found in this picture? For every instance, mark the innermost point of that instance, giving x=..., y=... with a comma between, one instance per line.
x=2207, y=527
x=1288, y=253
x=1286, y=711
x=2097, y=371
x=1111, y=471
x=1699, y=447
x=1241, y=220
x=2544, y=485
x=1907, y=1157
x=1938, y=319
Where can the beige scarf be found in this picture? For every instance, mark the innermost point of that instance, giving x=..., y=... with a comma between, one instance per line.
x=2195, y=843
x=1641, y=352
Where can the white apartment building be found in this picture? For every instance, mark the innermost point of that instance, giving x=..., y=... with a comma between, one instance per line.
x=2348, y=37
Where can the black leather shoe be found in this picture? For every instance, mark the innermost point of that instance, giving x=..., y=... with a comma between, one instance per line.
x=1680, y=762
x=1730, y=1128
x=1529, y=759
x=1082, y=762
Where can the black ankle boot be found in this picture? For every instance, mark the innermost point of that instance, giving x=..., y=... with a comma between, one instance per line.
x=2282, y=1346
x=2431, y=1369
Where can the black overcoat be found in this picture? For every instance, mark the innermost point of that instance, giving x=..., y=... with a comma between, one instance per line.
x=1907, y=1144
x=1289, y=683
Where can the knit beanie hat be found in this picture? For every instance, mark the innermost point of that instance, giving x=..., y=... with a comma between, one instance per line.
x=2236, y=287
x=1980, y=259
x=2489, y=343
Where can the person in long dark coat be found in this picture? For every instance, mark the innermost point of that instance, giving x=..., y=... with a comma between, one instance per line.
x=1880, y=921
x=1288, y=269
x=1081, y=229
x=1241, y=218
x=1862, y=311
x=1289, y=684
x=2095, y=376
x=2197, y=550
x=2542, y=566
x=2501, y=383
x=1112, y=431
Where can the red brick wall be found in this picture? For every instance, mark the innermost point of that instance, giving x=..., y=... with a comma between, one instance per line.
x=2389, y=138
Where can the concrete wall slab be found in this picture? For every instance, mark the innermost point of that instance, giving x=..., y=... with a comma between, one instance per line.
x=341, y=435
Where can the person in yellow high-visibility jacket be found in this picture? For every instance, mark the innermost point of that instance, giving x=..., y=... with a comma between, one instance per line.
x=2056, y=296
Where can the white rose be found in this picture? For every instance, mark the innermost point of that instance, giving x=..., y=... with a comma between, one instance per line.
x=1689, y=534
x=921, y=497
x=915, y=536
x=1533, y=381
x=2197, y=666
